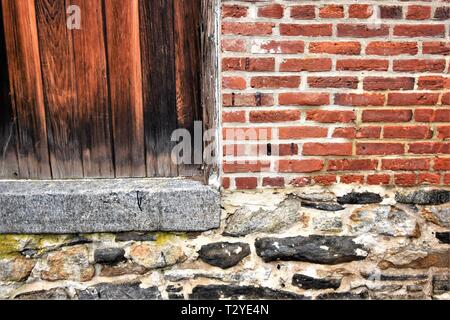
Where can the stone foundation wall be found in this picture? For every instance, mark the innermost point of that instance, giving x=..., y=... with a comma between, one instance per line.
x=339, y=242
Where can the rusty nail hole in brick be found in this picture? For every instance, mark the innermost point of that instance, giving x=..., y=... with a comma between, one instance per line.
x=269, y=149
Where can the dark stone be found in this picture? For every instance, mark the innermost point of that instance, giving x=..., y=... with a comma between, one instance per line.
x=394, y=277
x=216, y=292
x=135, y=236
x=315, y=249
x=443, y=237
x=324, y=206
x=175, y=292
x=109, y=255
x=52, y=294
x=129, y=291
x=441, y=284
x=360, y=198
x=224, y=254
x=307, y=283
x=423, y=197
x=343, y=296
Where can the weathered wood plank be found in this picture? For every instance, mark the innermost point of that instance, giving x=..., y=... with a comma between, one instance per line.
x=158, y=62
x=92, y=91
x=26, y=88
x=187, y=66
x=60, y=89
x=9, y=166
x=125, y=80
x=209, y=79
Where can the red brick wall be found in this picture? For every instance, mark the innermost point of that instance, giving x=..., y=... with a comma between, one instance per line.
x=335, y=92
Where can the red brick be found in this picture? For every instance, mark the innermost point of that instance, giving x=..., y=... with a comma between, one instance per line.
x=342, y=47
x=446, y=99
x=417, y=65
x=277, y=182
x=247, y=28
x=360, y=11
x=362, y=65
x=352, y=165
x=441, y=164
x=389, y=83
x=386, y=115
x=368, y=132
x=389, y=48
x=247, y=100
x=274, y=116
x=442, y=13
x=432, y=178
x=417, y=12
x=405, y=164
x=333, y=82
x=288, y=149
x=443, y=132
x=236, y=83
x=331, y=11
x=274, y=11
x=276, y=46
x=226, y=183
x=410, y=132
x=303, y=99
x=405, y=179
x=409, y=99
x=329, y=116
x=246, y=183
x=235, y=167
x=248, y=64
x=378, y=179
x=351, y=178
x=433, y=83
x=275, y=82
x=430, y=115
x=327, y=149
x=302, y=132
x=436, y=47
x=326, y=180
x=300, y=165
x=307, y=30
x=429, y=148
x=419, y=30
x=234, y=45
x=300, y=181
x=305, y=12
x=234, y=11
x=359, y=99
x=348, y=133
x=246, y=134
x=235, y=116
x=311, y=65
x=361, y=30
x=391, y=12
x=447, y=179
x=379, y=148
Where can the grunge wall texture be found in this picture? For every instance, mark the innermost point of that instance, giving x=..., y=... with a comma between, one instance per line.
x=356, y=205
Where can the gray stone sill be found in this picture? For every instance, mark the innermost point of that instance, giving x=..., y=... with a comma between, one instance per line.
x=112, y=205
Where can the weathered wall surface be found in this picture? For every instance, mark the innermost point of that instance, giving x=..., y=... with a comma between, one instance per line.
x=347, y=91
x=303, y=243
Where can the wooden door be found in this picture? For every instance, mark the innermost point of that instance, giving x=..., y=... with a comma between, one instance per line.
x=101, y=101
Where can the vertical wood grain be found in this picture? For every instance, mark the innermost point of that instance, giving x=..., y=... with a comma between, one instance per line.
x=125, y=81
x=26, y=87
x=159, y=84
x=92, y=91
x=60, y=89
x=9, y=166
x=187, y=65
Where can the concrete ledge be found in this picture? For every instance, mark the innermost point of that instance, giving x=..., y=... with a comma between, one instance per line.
x=91, y=206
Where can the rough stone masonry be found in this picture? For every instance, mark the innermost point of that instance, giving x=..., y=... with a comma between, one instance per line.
x=355, y=205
